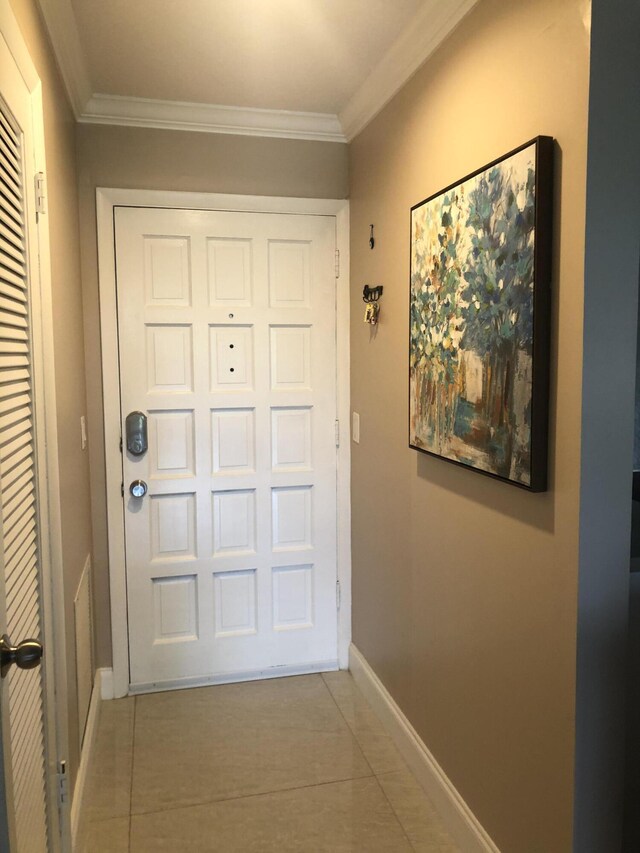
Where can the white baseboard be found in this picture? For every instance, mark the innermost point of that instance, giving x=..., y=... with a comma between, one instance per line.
x=90, y=732
x=106, y=682
x=462, y=824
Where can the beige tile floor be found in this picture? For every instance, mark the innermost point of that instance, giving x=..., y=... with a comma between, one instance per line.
x=292, y=764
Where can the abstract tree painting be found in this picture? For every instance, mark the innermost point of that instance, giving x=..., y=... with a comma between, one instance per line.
x=479, y=318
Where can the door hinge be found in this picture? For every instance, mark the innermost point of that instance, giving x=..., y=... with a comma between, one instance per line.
x=337, y=431
x=120, y=444
x=63, y=784
x=40, y=193
x=338, y=595
x=337, y=263
x=122, y=490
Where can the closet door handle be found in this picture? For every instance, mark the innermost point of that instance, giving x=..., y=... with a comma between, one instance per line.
x=26, y=655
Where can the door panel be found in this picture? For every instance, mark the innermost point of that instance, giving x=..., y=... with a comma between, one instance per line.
x=227, y=344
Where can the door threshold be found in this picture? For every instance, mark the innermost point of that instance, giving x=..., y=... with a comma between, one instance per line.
x=233, y=677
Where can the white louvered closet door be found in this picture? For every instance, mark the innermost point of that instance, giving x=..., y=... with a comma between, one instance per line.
x=23, y=720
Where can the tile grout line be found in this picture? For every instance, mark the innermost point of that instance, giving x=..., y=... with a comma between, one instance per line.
x=350, y=778
x=395, y=813
x=348, y=725
x=422, y=793
x=375, y=775
x=251, y=796
x=353, y=732
x=372, y=775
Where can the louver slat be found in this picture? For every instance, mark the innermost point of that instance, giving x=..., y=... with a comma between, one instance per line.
x=15, y=306
x=14, y=446
x=8, y=248
x=10, y=278
x=10, y=156
x=11, y=217
x=11, y=237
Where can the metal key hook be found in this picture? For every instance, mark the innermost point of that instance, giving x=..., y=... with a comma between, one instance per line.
x=371, y=295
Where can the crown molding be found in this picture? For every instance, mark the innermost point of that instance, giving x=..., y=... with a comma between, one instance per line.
x=60, y=21
x=211, y=118
x=418, y=40
x=434, y=21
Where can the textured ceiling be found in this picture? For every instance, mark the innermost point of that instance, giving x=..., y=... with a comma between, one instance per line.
x=309, y=55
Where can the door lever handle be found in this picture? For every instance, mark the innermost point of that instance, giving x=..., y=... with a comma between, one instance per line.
x=26, y=655
x=138, y=488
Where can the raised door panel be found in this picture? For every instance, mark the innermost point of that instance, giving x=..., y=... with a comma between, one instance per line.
x=175, y=608
x=292, y=597
x=235, y=603
x=171, y=444
x=169, y=358
x=229, y=272
x=232, y=357
x=233, y=432
x=290, y=357
x=167, y=275
x=234, y=522
x=292, y=518
x=289, y=274
x=291, y=438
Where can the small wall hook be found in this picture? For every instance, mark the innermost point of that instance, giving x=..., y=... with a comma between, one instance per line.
x=372, y=240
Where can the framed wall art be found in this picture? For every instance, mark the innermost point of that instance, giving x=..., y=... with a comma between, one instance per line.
x=479, y=318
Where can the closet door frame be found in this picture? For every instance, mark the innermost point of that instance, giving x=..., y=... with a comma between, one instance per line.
x=46, y=442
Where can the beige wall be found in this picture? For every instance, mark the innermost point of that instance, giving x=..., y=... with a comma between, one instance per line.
x=464, y=588
x=62, y=215
x=190, y=162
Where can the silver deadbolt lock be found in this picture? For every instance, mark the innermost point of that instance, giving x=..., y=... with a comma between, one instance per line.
x=136, y=430
x=138, y=488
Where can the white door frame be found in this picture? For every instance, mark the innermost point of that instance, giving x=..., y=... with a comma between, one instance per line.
x=46, y=438
x=106, y=200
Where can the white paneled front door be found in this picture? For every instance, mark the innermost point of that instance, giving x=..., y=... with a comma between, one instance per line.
x=227, y=346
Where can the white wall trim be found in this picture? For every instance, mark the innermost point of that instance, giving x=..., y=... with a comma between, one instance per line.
x=343, y=366
x=106, y=200
x=418, y=40
x=106, y=683
x=83, y=636
x=88, y=743
x=61, y=25
x=53, y=595
x=461, y=823
x=211, y=118
x=13, y=37
x=111, y=397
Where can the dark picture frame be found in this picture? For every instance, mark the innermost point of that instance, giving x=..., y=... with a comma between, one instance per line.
x=479, y=318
